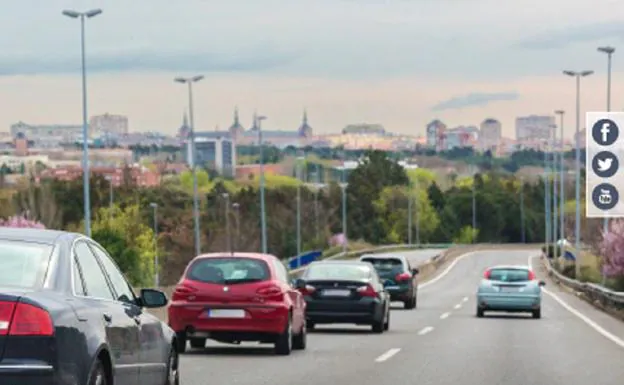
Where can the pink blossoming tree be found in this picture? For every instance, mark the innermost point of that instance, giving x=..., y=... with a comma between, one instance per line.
x=612, y=249
x=21, y=221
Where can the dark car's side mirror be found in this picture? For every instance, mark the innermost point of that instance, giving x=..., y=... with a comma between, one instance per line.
x=541, y=283
x=152, y=298
x=415, y=271
x=299, y=283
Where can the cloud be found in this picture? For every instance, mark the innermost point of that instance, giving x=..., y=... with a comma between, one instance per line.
x=257, y=60
x=474, y=100
x=562, y=38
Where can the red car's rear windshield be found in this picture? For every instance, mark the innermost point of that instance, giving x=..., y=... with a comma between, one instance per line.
x=229, y=270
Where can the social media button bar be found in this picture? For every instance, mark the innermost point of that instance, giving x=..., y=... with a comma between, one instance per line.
x=604, y=153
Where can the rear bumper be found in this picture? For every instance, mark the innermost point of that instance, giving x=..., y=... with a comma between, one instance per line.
x=30, y=375
x=400, y=294
x=362, y=311
x=271, y=319
x=509, y=302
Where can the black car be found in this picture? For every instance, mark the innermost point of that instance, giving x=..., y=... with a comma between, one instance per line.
x=399, y=278
x=344, y=292
x=68, y=316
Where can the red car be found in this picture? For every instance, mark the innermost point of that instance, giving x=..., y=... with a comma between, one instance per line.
x=238, y=297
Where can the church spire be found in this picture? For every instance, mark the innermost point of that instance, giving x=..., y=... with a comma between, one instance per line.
x=305, y=117
x=236, y=118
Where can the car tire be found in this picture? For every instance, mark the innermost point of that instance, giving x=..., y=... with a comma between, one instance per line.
x=537, y=314
x=198, y=343
x=480, y=313
x=386, y=325
x=173, y=368
x=300, y=340
x=283, y=344
x=98, y=375
x=310, y=326
x=415, y=302
x=181, y=342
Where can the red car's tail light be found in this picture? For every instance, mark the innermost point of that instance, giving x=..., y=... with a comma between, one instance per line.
x=367, y=291
x=272, y=293
x=183, y=292
x=487, y=274
x=23, y=319
x=403, y=277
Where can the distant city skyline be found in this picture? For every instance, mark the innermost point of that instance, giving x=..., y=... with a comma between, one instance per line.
x=388, y=62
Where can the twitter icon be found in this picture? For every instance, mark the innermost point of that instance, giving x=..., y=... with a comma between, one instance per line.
x=605, y=164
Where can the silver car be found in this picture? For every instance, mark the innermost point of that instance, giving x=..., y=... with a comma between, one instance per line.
x=510, y=288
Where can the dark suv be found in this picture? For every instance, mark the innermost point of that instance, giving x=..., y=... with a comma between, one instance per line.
x=399, y=278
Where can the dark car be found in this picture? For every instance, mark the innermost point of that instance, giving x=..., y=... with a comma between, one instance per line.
x=399, y=278
x=238, y=297
x=344, y=292
x=68, y=316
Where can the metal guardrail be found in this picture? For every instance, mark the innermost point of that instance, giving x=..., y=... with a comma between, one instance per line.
x=379, y=249
x=597, y=294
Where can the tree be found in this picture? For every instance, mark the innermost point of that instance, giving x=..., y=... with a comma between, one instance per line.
x=612, y=251
x=366, y=182
x=21, y=221
x=128, y=240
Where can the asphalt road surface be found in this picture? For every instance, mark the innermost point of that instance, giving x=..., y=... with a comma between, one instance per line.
x=441, y=342
x=417, y=257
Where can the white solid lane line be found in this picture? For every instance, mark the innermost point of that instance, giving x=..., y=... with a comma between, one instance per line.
x=387, y=355
x=457, y=306
x=447, y=270
x=425, y=330
x=445, y=315
x=613, y=338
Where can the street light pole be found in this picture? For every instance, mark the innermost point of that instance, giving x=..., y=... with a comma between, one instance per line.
x=609, y=51
x=343, y=188
x=262, y=200
x=474, y=202
x=193, y=151
x=228, y=233
x=417, y=209
x=577, y=226
x=522, y=220
x=299, y=181
x=236, y=208
x=156, y=263
x=409, y=213
x=85, y=125
x=561, y=114
x=547, y=196
x=554, y=191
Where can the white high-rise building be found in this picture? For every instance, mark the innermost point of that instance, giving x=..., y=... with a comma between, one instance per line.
x=108, y=124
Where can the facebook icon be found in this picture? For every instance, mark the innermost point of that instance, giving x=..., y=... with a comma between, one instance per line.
x=605, y=132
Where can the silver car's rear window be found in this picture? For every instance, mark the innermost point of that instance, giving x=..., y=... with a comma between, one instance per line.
x=509, y=275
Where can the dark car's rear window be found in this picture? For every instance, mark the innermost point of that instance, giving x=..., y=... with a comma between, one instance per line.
x=23, y=264
x=229, y=270
x=328, y=271
x=509, y=275
x=384, y=263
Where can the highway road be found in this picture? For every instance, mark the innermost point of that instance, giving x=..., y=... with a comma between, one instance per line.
x=441, y=342
x=417, y=257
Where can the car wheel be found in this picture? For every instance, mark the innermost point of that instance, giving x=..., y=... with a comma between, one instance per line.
x=98, y=374
x=480, y=313
x=283, y=345
x=310, y=325
x=173, y=371
x=537, y=313
x=386, y=326
x=300, y=340
x=181, y=342
x=198, y=343
x=415, y=302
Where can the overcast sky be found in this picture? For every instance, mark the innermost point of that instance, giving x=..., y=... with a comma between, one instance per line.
x=400, y=63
